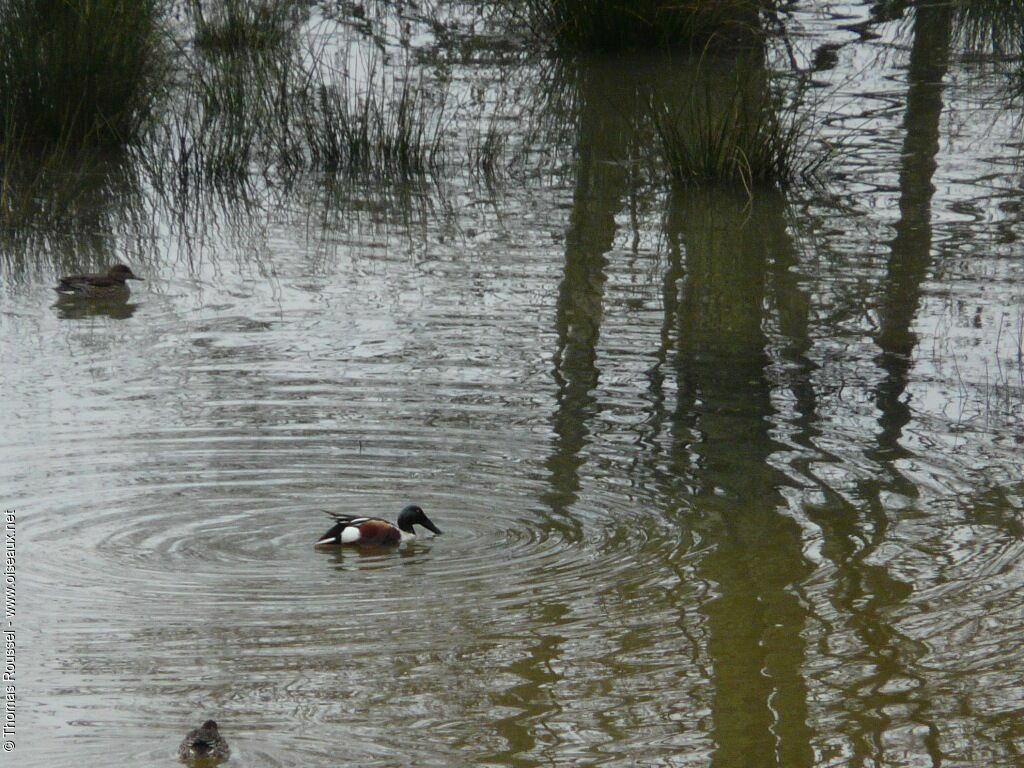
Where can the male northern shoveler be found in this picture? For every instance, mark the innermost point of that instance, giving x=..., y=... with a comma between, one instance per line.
x=204, y=745
x=111, y=284
x=349, y=529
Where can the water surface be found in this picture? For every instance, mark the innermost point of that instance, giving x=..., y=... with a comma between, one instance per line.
x=723, y=482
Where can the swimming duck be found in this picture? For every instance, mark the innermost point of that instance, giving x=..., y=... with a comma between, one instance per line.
x=204, y=744
x=112, y=283
x=349, y=529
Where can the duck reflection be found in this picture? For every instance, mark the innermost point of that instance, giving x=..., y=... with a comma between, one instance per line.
x=373, y=558
x=75, y=307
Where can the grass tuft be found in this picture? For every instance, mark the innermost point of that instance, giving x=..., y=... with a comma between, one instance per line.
x=376, y=123
x=738, y=127
x=237, y=26
x=80, y=73
x=993, y=31
x=990, y=26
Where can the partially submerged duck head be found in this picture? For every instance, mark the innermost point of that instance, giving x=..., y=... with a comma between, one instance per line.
x=204, y=745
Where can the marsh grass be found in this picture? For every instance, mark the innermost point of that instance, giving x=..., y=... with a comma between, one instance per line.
x=80, y=73
x=55, y=205
x=299, y=110
x=379, y=124
x=226, y=120
x=990, y=26
x=229, y=27
x=228, y=115
x=737, y=125
x=993, y=31
x=613, y=25
x=25, y=180
x=487, y=154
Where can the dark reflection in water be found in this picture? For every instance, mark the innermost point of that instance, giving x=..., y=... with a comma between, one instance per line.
x=910, y=258
x=80, y=214
x=871, y=591
x=721, y=448
x=79, y=307
x=360, y=558
x=600, y=186
x=600, y=190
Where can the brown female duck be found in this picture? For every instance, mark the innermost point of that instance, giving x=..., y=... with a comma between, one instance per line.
x=112, y=283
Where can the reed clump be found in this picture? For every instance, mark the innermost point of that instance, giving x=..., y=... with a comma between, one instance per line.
x=736, y=125
x=383, y=126
x=993, y=30
x=302, y=109
x=993, y=26
x=613, y=25
x=240, y=26
x=225, y=120
x=80, y=73
x=47, y=195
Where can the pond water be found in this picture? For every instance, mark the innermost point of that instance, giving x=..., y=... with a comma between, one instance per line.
x=723, y=482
